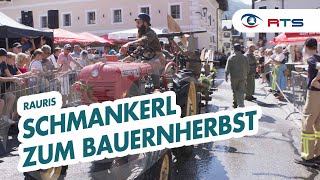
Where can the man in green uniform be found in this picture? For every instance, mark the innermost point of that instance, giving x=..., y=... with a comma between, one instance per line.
x=252, y=72
x=237, y=67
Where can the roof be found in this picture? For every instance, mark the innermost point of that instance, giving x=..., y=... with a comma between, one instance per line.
x=9, y=28
x=227, y=24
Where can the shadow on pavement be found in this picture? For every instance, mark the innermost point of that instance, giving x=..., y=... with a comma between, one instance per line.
x=200, y=165
x=267, y=119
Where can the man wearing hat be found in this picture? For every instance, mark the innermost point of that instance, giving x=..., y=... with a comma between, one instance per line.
x=310, y=138
x=17, y=48
x=65, y=60
x=237, y=67
x=148, y=37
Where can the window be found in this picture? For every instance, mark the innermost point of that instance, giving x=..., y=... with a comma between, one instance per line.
x=44, y=22
x=175, y=11
x=263, y=7
x=67, y=20
x=227, y=45
x=276, y=7
x=19, y=20
x=263, y=36
x=91, y=17
x=117, y=16
x=145, y=10
x=226, y=35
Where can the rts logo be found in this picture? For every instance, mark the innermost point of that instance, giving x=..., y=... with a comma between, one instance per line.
x=286, y=22
x=250, y=20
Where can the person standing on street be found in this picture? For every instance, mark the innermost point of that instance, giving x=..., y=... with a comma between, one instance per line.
x=237, y=67
x=310, y=140
x=252, y=72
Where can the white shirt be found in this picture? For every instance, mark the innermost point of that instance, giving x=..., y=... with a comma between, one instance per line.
x=53, y=60
x=36, y=65
x=279, y=57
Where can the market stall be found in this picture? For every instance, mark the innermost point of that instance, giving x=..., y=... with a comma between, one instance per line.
x=10, y=29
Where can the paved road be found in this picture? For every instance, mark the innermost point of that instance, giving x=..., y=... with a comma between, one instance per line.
x=268, y=155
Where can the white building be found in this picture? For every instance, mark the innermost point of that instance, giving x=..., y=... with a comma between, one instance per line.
x=282, y=4
x=101, y=17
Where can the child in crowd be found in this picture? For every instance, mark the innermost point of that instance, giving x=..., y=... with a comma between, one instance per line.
x=36, y=84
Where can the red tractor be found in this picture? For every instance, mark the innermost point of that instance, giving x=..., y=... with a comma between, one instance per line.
x=115, y=80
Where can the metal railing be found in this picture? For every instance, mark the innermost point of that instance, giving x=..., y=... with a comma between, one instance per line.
x=33, y=84
x=299, y=89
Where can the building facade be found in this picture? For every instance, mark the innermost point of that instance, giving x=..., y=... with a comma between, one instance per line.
x=101, y=17
x=261, y=39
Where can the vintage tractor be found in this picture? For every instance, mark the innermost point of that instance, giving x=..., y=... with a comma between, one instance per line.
x=116, y=80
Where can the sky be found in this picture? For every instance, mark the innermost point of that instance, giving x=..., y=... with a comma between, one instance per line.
x=247, y=1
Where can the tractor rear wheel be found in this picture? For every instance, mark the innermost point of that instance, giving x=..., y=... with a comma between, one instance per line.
x=185, y=89
x=161, y=170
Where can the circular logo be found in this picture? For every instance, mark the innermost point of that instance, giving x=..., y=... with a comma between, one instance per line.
x=250, y=20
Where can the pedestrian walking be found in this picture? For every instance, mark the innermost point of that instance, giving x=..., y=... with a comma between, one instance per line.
x=237, y=67
x=310, y=139
x=252, y=73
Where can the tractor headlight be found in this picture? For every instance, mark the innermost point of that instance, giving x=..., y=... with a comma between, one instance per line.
x=95, y=73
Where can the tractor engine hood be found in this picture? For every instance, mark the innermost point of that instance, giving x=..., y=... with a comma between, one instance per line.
x=112, y=81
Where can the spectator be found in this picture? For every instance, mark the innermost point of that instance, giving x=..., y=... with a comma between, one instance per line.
x=268, y=65
x=54, y=57
x=17, y=48
x=105, y=52
x=7, y=99
x=27, y=44
x=13, y=70
x=84, y=60
x=49, y=68
x=23, y=62
x=112, y=51
x=37, y=84
x=262, y=67
x=64, y=60
x=76, y=52
x=279, y=82
x=90, y=53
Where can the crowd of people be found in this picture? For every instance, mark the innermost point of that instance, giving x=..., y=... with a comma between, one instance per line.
x=271, y=65
x=25, y=70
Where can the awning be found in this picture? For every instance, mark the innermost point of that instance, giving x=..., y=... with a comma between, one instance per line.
x=124, y=35
x=293, y=38
x=95, y=38
x=114, y=41
x=64, y=36
x=9, y=28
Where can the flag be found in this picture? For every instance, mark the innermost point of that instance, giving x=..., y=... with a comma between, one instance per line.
x=173, y=26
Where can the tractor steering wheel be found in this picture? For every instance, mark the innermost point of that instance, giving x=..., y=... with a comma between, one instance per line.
x=145, y=52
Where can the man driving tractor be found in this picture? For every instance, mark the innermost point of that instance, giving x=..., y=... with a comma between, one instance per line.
x=147, y=37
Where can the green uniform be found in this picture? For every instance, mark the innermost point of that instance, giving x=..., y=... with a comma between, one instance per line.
x=238, y=68
x=251, y=76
